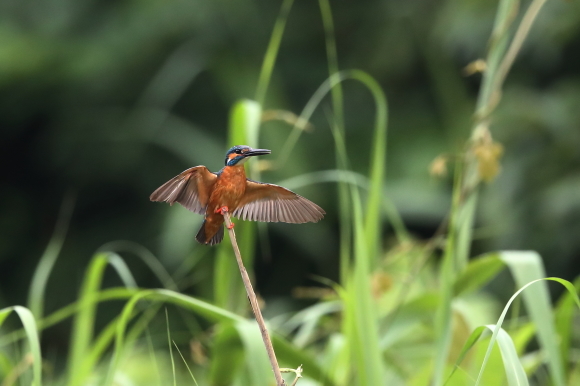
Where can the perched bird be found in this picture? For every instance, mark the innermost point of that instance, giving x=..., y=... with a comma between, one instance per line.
x=208, y=193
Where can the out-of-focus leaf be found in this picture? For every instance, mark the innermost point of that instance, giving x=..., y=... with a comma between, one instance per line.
x=479, y=272
x=29, y=323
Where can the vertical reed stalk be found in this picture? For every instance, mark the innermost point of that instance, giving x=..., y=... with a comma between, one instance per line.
x=254, y=302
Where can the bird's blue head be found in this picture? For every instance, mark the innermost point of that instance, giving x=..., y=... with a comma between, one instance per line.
x=237, y=155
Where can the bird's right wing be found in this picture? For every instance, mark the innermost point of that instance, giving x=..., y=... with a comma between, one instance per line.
x=190, y=188
x=273, y=203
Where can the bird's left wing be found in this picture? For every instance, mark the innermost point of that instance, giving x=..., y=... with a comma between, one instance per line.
x=190, y=188
x=273, y=203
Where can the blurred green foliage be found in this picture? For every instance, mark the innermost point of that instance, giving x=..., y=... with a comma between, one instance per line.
x=109, y=99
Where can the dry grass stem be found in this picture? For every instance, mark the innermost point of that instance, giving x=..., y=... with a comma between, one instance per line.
x=254, y=303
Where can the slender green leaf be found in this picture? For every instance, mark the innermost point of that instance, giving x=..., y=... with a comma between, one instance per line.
x=257, y=361
x=285, y=351
x=513, y=368
x=146, y=256
x=527, y=266
x=226, y=355
x=478, y=273
x=80, y=360
x=82, y=333
x=272, y=51
x=48, y=258
x=571, y=289
x=29, y=323
x=564, y=322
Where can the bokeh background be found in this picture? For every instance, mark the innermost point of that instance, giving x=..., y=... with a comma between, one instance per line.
x=103, y=101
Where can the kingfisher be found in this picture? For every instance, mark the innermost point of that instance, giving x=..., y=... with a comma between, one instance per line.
x=229, y=190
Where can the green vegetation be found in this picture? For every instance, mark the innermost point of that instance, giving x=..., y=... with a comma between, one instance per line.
x=404, y=311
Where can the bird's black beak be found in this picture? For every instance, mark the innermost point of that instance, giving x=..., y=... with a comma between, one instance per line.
x=253, y=152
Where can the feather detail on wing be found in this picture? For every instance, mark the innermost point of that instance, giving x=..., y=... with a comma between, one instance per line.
x=190, y=188
x=273, y=203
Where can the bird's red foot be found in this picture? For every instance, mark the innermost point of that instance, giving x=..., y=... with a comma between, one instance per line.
x=231, y=226
x=222, y=210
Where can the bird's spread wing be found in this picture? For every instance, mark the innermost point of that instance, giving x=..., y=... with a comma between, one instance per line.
x=273, y=203
x=191, y=189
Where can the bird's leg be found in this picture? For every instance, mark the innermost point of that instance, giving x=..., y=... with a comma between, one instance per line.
x=223, y=210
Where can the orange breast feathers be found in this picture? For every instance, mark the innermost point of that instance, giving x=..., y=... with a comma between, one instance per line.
x=228, y=189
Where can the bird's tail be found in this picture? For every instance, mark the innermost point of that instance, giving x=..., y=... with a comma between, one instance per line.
x=202, y=237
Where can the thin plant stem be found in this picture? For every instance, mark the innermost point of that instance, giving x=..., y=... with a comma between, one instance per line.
x=515, y=46
x=254, y=302
x=297, y=372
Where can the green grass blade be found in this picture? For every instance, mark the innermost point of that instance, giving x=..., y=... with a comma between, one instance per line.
x=257, y=361
x=404, y=318
x=226, y=355
x=122, y=270
x=80, y=363
x=349, y=177
x=513, y=368
x=305, y=321
x=228, y=287
x=170, y=348
x=364, y=330
x=564, y=322
x=284, y=350
x=153, y=358
x=360, y=320
x=68, y=311
x=186, y=365
x=447, y=276
x=83, y=323
x=272, y=52
x=29, y=323
x=464, y=229
x=479, y=272
x=377, y=164
x=48, y=258
x=345, y=220
x=527, y=266
x=506, y=12
x=332, y=59
x=571, y=290
x=146, y=256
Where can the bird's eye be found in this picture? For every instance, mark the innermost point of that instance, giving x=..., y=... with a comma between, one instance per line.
x=238, y=151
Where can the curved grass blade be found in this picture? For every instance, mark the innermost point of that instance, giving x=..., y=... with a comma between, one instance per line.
x=257, y=361
x=372, y=219
x=345, y=211
x=83, y=325
x=306, y=320
x=227, y=355
x=48, y=258
x=146, y=256
x=349, y=177
x=285, y=351
x=27, y=319
x=478, y=272
x=571, y=289
x=525, y=267
x=272, y=52
x=564, y=322
x=514, y=370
